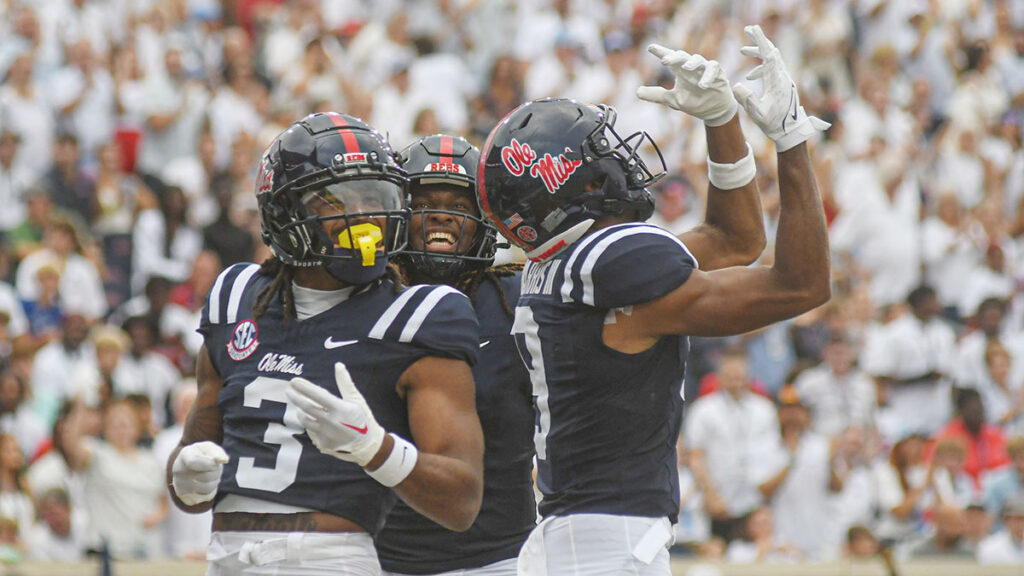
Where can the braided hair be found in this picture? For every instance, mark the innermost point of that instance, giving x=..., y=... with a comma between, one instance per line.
x=281, y=287
x=468, y=282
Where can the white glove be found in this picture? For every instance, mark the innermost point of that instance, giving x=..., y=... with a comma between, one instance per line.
x=778, y=111
x=701, y=88
x=342, y=427
x=196, y=472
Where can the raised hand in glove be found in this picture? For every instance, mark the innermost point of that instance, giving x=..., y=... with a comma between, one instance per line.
x=196, y=472
x=342, y=427
x=778, y=111
x=701, y=89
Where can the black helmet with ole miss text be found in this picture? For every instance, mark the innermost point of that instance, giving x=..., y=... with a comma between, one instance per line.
x=332, y=194
x=554, y=166
x=443, y=160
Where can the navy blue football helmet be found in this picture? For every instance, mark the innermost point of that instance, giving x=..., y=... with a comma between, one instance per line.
x=554, y=166
x=332, y=194
x=451, y=161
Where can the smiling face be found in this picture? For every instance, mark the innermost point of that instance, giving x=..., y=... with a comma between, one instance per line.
x=442, y=232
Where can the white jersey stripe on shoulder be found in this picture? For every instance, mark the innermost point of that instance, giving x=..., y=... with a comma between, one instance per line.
x=389, y=315
x=237, y=289
x=428, y=304
x=587, y=270
x=567, y=285
x=214, y=315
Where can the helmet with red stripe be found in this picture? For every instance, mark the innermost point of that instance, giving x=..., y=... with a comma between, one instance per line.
x=332, y=194
x=437, y=246
x=553, y=167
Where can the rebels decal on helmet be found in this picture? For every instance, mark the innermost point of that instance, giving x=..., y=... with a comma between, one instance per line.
x=441, y=167
x=554, y=166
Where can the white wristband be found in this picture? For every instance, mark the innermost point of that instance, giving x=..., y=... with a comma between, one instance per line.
x=399, y=463
x=735, y=175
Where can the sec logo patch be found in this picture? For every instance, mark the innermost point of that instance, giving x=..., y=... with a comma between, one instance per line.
x=243, y=340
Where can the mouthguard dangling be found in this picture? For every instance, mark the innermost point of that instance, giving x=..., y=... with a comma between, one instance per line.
x=365, y=236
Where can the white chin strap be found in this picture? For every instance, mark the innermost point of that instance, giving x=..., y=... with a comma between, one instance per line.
x=559, y=242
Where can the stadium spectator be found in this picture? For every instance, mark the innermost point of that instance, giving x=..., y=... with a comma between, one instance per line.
x=948, y=540
x=799, y=482
x=914, y=362
x=759, y=542
x=726, y=432
x=837, y=392
x=1007, y=545
x=984, y=444
x=163, y=242
x=998, y=486
x=81, y=289
x=56, y=536
x=124, y=491
x=15, y=498
x=70, y=189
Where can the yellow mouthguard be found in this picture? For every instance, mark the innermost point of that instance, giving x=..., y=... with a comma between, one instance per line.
x=366, y=236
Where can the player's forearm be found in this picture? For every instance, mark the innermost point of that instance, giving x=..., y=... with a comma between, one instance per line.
x=801, y=244
x=732, y=217
x=446, y=490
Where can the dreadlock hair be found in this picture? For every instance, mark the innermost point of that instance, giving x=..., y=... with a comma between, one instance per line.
x=468, y=282
x=281, y=287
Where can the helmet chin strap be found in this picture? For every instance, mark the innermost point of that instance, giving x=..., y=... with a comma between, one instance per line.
x=560, y=241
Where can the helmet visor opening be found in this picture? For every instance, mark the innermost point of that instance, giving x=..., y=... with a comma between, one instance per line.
x=353, y=197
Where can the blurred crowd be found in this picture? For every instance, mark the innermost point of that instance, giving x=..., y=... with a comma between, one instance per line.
x=889, y=421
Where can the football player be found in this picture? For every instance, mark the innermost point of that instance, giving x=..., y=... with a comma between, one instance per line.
x=326, y=388
x=607, y=301
x=450, y=244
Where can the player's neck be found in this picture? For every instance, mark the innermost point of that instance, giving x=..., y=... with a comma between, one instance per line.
x=606, y=221
x=419, y=277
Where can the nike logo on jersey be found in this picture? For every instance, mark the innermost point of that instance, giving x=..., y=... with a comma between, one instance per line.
x=356, y=428
x=331, y=344
x=485, y=343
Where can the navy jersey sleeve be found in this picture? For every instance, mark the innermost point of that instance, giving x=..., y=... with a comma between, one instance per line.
x=227, y=297
x=437, y=319
x=627, y=265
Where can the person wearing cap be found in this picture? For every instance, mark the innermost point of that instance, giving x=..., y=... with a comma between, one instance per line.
x=1007, y=545
x=798, y=480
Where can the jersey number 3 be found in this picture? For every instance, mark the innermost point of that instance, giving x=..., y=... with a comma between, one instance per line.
x=282, y=475
x=525, y=327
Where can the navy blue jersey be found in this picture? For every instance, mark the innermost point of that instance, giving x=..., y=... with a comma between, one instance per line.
x=607, y=422
x=377, y=334
x=413, y=544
